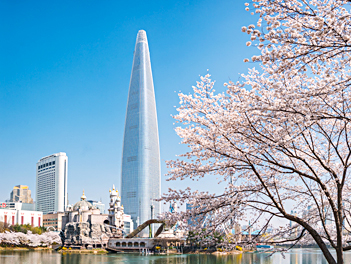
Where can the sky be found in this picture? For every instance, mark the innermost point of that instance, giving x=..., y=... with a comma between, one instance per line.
x=64, y=78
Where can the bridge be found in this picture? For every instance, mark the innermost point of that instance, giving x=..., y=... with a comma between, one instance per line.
x=146, y=224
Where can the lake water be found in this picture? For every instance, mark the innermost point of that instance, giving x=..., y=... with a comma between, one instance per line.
x=310, y=256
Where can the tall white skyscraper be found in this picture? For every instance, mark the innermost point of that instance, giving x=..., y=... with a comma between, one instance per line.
x=51, y=183
x=141, y=169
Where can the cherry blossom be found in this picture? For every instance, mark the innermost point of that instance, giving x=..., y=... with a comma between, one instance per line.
x=279, y=137
x=30, y=239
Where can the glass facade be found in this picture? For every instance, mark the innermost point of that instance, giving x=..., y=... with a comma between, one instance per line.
x=141, y=173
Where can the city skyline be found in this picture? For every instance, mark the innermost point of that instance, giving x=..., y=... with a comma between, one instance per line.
x=248, y=145
x=141, y=172
x=66, y=69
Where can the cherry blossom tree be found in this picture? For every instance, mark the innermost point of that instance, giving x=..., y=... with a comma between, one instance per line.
x=280, y=136
x=29, y=239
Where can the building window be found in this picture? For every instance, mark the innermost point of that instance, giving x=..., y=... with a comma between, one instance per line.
x=132, y=158
x=131, y=194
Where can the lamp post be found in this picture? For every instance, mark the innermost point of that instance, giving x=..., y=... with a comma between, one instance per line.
x=152, y=217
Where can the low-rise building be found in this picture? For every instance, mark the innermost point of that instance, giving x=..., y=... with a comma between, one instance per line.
x=18, y=206
x=53, y=219
x=21, y=217
x=85, y=211
x=13, y=213
x=84, y=227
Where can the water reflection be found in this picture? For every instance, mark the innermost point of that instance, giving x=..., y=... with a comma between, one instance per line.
x=296, y=256
x=29, y=257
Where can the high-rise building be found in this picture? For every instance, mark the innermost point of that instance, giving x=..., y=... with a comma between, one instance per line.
x=22, y=194
x=98, y=205
x=51, y=183
x=141, y=173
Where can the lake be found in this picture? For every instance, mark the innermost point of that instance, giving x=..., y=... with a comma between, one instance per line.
x=306, y=255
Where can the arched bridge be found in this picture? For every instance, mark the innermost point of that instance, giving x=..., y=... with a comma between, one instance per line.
x=146, y=224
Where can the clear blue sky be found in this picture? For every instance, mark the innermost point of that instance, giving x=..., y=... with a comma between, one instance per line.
x=64, y=78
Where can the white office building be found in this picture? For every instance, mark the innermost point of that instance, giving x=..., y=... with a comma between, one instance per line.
x=51, y=183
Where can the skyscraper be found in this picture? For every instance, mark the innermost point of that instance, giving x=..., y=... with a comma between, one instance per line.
x=141, y=173
x=22, y=194
x=51, y=183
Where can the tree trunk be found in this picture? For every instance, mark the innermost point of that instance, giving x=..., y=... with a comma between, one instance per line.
x=326, y=252
x=339, y=255
x=338, y=221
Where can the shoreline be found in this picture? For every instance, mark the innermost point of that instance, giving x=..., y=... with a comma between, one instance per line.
x=233, y=252
x=83, y=251
x=61, y=251
x=23, y=248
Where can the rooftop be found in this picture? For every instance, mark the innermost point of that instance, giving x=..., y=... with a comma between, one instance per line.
x=53, y=155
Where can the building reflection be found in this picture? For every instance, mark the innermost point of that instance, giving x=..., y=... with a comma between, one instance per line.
x=295, y=256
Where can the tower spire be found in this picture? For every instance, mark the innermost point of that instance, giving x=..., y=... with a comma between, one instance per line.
x=141, y=37
x=83, y=197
